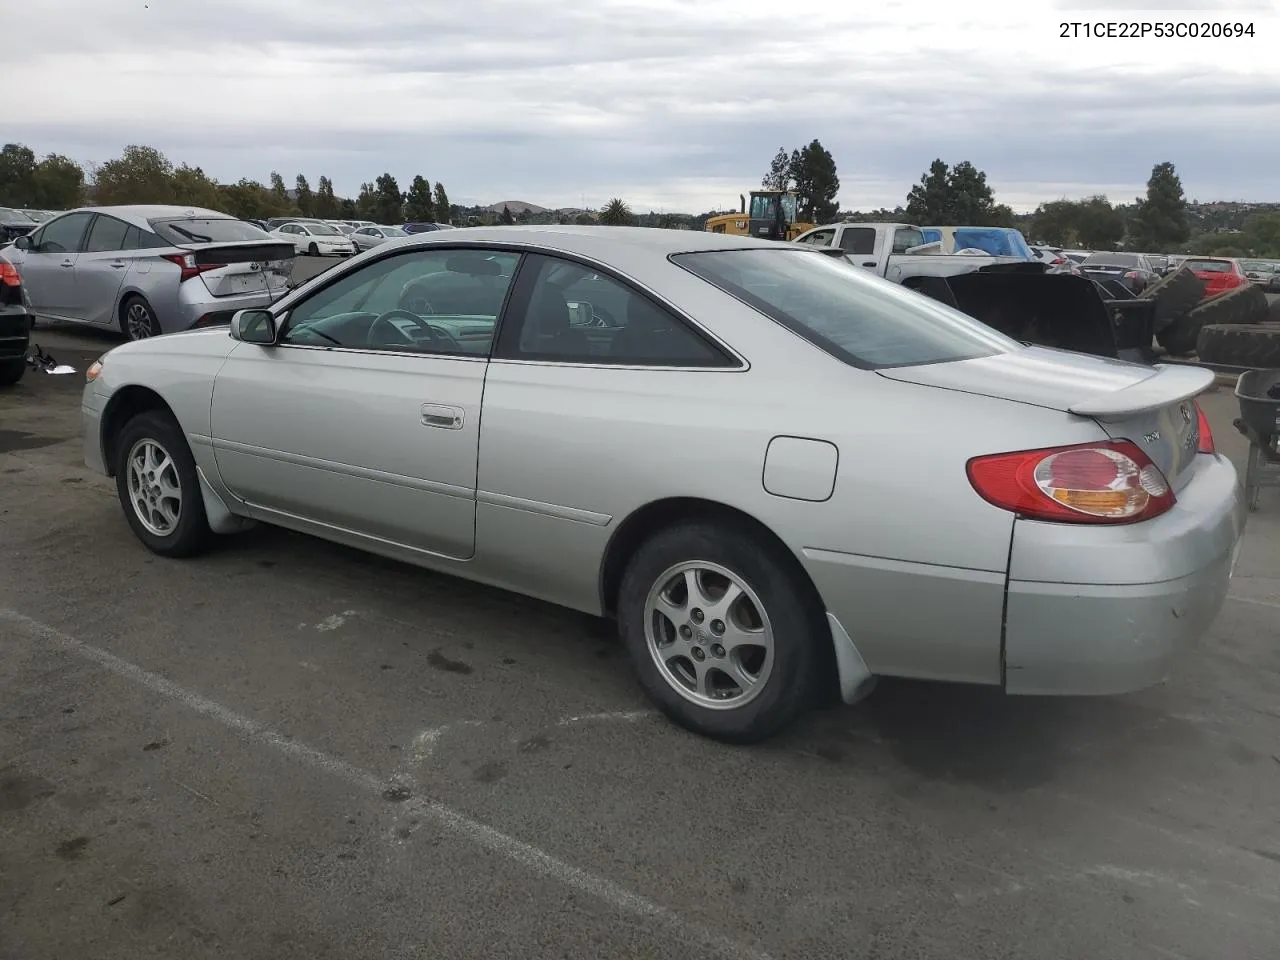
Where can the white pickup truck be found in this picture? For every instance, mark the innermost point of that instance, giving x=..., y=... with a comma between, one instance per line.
x=894, y=251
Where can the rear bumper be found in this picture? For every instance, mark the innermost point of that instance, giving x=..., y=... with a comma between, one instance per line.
x=1098, y=610
x=197, y=307
x=15, y=332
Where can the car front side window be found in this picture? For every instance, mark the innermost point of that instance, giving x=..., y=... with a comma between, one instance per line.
x=65, y=234
x=422, y=301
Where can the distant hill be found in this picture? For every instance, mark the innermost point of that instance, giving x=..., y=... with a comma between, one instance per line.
x=516, y=206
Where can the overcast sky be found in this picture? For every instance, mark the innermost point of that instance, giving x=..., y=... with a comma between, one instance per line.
x=670, y=104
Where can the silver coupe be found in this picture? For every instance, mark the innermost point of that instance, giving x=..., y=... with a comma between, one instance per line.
x=782, y=476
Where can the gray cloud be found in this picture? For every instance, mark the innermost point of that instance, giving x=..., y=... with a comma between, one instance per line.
x=668, y=103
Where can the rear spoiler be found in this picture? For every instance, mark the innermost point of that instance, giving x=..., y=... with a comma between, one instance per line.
x=1169, y=384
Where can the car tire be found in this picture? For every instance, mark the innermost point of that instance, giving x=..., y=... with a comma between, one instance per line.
x=137, y=319
x=1240, y=345
x=11, y=371
x=313, y=251
x=775, y=598
x=1175, y=294
x=147, y=487
x=1240, y=305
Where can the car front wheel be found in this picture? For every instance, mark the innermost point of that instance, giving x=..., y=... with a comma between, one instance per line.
x=723, y=631
x=158, y=487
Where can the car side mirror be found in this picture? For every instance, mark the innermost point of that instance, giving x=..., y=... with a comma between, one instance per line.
x=253, y=326
x=23, y=242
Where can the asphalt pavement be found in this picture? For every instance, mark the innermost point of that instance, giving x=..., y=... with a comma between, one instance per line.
x=287, y=749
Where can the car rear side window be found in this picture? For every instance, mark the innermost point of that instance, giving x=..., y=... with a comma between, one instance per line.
x=207, y=230
x=858, y=240
x=107, y=234
x=855, y=317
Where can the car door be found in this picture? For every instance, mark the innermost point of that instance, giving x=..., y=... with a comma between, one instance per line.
x=102, y=267
x=363, y=418
x=579, y=419
x=49, y=265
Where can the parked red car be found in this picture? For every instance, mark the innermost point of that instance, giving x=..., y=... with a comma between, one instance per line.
x=1218, y=273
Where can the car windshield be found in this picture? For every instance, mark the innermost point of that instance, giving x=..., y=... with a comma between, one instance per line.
x=1208, y=266
x=15, y=216
x=208, y=230
x=393, y=232
x=860, y=319
x=1258, y=266
x=323, y=230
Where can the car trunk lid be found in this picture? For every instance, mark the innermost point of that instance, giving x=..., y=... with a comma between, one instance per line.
x=244, y=267
x=1151, y=406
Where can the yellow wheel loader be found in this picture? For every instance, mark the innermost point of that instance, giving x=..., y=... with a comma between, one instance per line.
x=772, y=216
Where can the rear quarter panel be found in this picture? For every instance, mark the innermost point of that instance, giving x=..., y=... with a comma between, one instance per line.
x=909, y=558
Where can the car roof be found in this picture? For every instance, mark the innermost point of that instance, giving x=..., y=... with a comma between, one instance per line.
x=140, y=214
x=596, y=241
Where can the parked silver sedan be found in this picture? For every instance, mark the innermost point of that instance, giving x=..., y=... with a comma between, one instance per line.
x=774, y=471
x=147, y=270
x=366, y=238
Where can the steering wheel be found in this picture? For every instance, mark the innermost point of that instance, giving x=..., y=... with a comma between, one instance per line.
x=601, y=317
x=433, y=334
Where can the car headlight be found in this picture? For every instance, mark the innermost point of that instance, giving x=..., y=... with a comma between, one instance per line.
x=95, y=368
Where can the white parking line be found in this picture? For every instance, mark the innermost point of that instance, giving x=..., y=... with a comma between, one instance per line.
x=531, y=857
x=1257, y=603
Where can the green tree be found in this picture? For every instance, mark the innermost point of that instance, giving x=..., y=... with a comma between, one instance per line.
x=17, y=176
x=389, y=201
x=584, y=219
x=956, y=196
x=193, y=188
x=1055, y=223
x=1262, y=234
x=280, y=194
x=139, y=175
x=247, y=199
x=616, y=214
x=303, y=197
x=366, y=203
x=507, y=218
x=59, y=183
x=1160, y=222
x=779, y=175
x=814, y=171
x=1099, y=225
x=444, y=212
x=326, y=205
x=418, y=203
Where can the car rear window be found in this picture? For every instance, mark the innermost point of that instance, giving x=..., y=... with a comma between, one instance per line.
x=208, y=230
x=854, y=316
x=1112, y=259
x=1209, y=266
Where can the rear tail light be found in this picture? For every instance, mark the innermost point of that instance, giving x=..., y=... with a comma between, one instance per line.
x=187, y=263
x=1059, y=262
x=1131, y=275
x=1110, y=482
x=1206, y=433
x=9, y=274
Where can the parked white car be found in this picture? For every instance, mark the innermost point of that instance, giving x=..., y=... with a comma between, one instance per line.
x=315, y=239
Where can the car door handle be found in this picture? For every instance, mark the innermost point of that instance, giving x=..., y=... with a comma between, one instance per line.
x=118, y=264
x=868, y=263
x=68, y=263
x=439, y=415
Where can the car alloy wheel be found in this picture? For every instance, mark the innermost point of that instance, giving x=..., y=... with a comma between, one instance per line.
x=709, y=635
x=139, y=324
x=155, y=489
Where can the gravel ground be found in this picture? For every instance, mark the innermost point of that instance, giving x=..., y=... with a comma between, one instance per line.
x=288, y=749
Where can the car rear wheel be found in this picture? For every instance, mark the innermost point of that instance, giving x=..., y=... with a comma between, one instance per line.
x=158, y=487
x=313, y=251
x=722, y=631
x=11, y=371
x=137, y=319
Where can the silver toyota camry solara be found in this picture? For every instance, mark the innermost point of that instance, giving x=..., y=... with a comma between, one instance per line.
x=780, y=475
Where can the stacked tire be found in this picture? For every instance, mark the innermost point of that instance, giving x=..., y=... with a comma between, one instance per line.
x=1183, y=322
